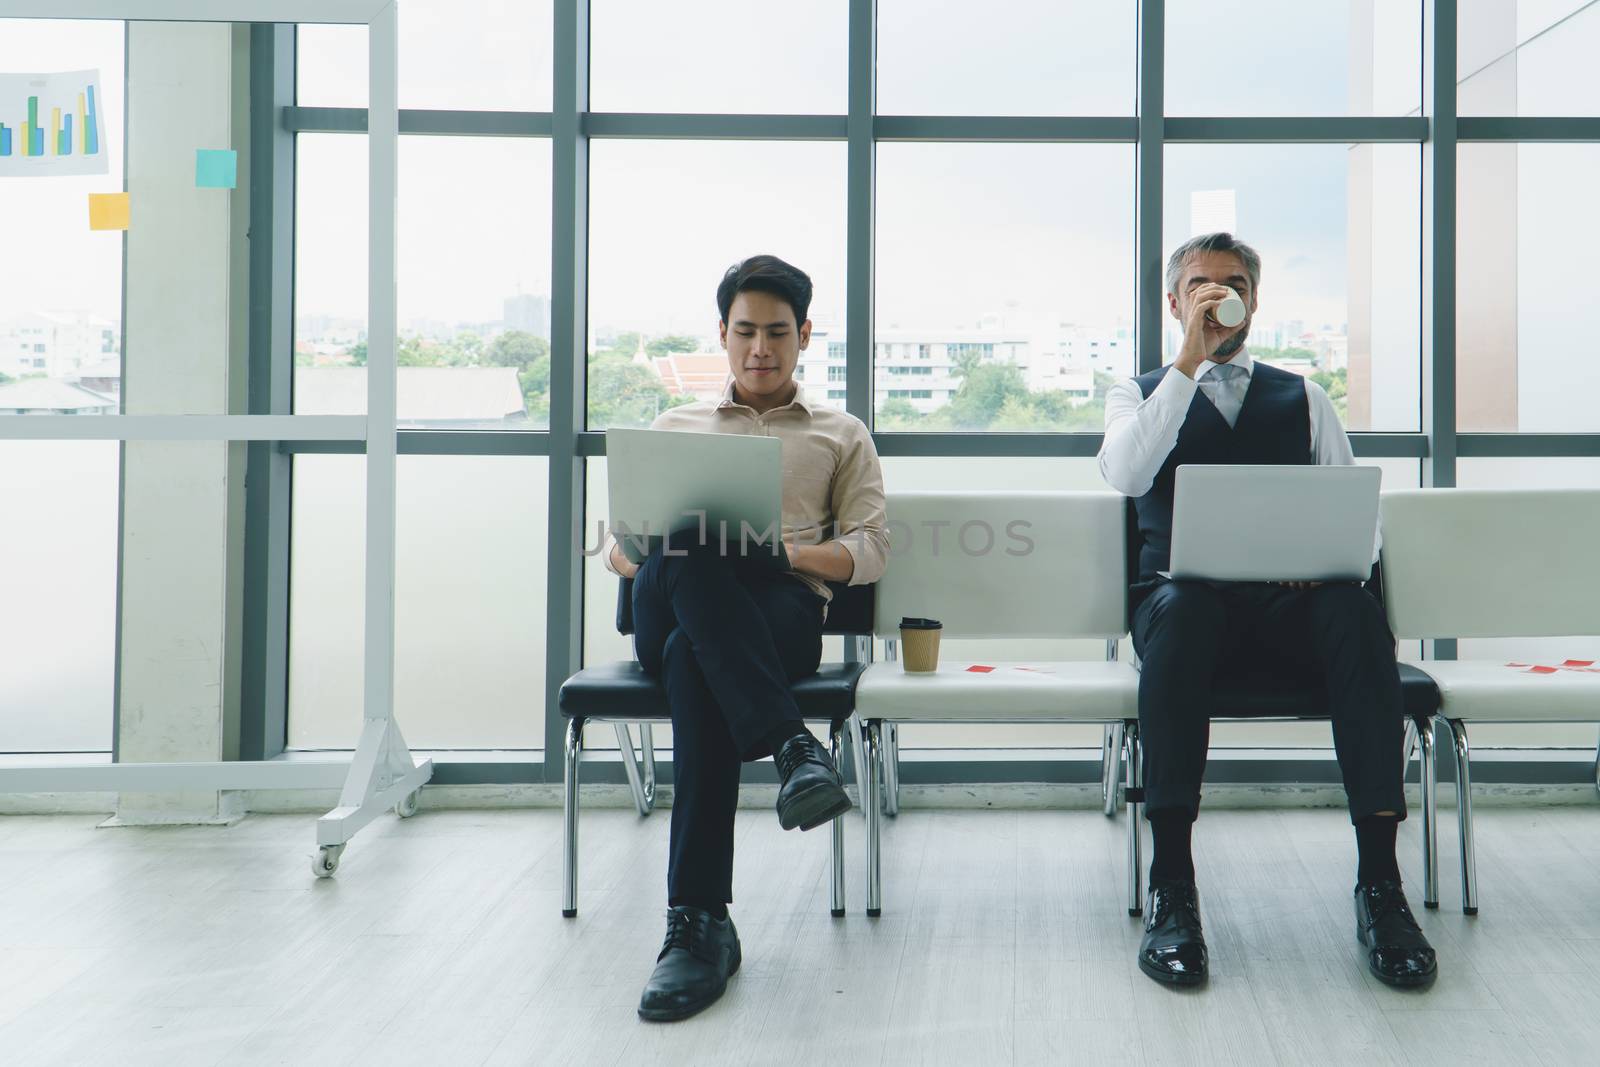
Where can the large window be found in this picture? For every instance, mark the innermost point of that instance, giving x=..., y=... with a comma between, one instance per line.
x=718, y=56
x=58, y=615
x=1339, y=229
x=1006, y=57
x=667, y=218
x=491, y=55
x=1266, y=57
x=1003, y=280
x=1529, y=57
x=984, y=246
x=474, y=280
x=1525, y=267
x=469, y=602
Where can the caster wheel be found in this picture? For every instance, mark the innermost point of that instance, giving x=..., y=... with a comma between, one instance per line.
x=407, y=806
x=326, y=861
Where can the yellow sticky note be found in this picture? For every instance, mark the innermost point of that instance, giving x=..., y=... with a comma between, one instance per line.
x=108, y=211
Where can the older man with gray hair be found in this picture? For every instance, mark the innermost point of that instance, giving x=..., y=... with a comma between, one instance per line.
x=1214, y=404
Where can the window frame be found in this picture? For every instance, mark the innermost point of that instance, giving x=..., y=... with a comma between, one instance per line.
x=572, y=127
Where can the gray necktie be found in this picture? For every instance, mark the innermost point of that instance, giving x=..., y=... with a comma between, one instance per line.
x=1224, y=385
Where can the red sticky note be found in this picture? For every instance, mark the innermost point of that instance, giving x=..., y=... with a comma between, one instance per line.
x=978, y=668
x=1541, y=670
x=1578, y=663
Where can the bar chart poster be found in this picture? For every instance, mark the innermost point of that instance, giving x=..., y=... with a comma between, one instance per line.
x=51, y=124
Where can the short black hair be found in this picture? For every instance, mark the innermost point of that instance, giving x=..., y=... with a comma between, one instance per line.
x=766, y=274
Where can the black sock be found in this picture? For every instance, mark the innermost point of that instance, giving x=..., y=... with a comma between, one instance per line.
x=1375, y=860
x=1170, y=859
x=783, y=732
x=718, y=909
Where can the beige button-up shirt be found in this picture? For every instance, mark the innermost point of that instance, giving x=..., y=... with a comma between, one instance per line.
x=832, y=482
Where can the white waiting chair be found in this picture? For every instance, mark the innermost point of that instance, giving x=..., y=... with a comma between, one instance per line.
x=1495, y=564
x=1000, y=566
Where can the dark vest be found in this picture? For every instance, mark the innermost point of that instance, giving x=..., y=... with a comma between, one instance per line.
x=1274, y=426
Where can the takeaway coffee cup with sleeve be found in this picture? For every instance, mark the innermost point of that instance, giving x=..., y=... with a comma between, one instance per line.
x=919, y=642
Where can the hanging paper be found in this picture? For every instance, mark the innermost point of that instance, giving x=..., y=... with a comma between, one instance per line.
x=52, y=124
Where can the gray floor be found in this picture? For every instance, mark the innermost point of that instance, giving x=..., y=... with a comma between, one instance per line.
x=1004, y=939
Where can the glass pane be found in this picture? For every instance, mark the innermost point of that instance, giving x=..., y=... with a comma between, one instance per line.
x=480, y=55
x=474, y=293
x=1007, y=57
x=470, y=596
x=653, y=274
x=719, y=56
x=1542, y=472
x=61, y=302
x=1334, y=57
x=1529, y=57
x=58, y=615
x=1339, y=229
x=1005, y=285
x=1525, y=238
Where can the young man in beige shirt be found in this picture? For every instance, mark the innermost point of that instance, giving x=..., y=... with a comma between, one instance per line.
x=727, y=636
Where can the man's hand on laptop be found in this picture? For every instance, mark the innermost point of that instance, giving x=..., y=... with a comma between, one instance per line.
x=625, y=567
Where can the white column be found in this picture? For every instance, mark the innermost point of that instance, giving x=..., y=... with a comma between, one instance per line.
x=185, y=284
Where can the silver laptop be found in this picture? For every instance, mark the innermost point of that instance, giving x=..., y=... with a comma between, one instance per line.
x=728, y=485
x=1241, y=523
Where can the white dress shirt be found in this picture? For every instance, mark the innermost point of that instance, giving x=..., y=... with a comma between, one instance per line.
x=1142, y=431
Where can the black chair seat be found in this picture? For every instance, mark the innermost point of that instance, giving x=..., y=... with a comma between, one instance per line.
x=621, y=691
x=1264, y=696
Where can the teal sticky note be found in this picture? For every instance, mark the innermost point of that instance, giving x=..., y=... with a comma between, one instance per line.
x=216, y=168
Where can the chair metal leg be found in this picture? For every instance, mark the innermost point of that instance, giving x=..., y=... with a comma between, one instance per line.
x=1430, y=827
x=858, y=754
x=647, y=749
x=891, y=769
x=1110, y=766
x=569, y=820
x=630, y=767
x=1409, y=746
x=1133, y=757
x=1469, y=859
x=871, y=804
x=836, y=883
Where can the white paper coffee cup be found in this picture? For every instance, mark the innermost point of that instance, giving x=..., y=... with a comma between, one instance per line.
x=1230, y=312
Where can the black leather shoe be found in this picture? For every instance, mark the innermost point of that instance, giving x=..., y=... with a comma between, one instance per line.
x=700, y=954
x=1397, y=953
x=810, y=791
x=1174, y=947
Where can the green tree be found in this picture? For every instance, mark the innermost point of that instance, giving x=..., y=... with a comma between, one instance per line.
x=623, y=393
x=622, y=344
x=516, y=348
x=985, y=388
x=415, y=352
x=357, y=353
x=663, y=346
x=897, y=413
x=1337, y=385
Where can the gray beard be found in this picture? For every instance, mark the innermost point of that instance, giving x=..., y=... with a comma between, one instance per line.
x=1227, y=348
